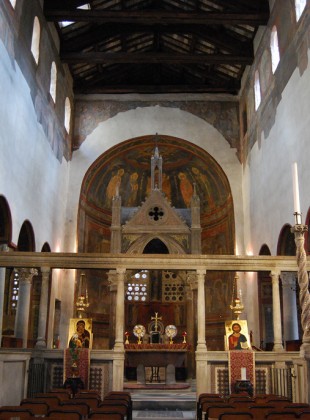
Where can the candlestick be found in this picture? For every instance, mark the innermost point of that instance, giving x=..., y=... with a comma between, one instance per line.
x=296, y=189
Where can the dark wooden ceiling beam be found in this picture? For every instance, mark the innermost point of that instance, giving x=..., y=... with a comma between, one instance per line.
x=150, y=57
x=190, y=88
x=158, y=17
x=216, y=36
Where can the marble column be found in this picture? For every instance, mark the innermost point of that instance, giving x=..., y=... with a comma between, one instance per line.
x=277, y=327
x=190, y=329
x=41, y=339
x=23, y=306
x=119, y=354
x=3, y=248
x=201, y=310
x=290, y=319
x=120, y=309
x=201, y=350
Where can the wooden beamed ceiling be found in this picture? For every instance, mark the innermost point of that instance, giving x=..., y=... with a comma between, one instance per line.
x=157, y=46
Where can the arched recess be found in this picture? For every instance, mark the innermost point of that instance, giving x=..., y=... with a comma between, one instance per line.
x=25, y=243
x=286, y=243
x=26, y=239
x=127, y=166
x=5, y=222
x=265, y=305
x=155, y=246
x=148, y=245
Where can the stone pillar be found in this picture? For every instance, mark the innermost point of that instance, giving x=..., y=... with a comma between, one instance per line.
x=41, y=339
x=3, y=248
x=23, y=306
x=290, y=320
x=119, y=354
x=277, y=327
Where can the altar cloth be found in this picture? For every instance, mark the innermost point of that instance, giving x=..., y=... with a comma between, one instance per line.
x=238, y=359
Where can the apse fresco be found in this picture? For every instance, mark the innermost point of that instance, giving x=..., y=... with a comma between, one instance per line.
x=128, y=165
x=127, y=168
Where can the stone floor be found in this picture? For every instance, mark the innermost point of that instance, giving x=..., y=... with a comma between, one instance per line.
x=166, y=405
x=163, y=414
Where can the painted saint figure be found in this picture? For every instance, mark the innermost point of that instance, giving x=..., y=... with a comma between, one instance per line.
x=237, y=341
x=81, y=337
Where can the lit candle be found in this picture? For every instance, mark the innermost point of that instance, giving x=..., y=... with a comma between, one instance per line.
x=296, y=189
x=243, y=373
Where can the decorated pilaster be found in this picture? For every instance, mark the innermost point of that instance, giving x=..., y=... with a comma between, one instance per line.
x=277, y=327
x=41, y=340
x=23, y=306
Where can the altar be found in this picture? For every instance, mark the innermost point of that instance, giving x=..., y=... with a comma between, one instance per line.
x=169, y=356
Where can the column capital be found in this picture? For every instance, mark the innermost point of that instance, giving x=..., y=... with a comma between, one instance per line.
x=26, y=274
x=275, y=275
x=201, y=272
x=45, y=270
x=120, y=272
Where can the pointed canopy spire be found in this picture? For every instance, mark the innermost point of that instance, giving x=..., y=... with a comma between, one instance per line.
x=156, y=168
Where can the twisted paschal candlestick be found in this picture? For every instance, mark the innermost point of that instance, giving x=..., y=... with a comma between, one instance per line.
x=303, y=281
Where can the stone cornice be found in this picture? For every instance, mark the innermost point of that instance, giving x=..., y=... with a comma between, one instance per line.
x=164, y=262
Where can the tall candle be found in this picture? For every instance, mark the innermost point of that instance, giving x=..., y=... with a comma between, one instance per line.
x=296, y=188
x=243, y=373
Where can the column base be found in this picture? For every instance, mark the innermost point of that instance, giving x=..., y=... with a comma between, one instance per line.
x=278, y=347
x=41, y=344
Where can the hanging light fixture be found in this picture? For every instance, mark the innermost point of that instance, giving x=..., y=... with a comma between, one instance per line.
x=82, y=300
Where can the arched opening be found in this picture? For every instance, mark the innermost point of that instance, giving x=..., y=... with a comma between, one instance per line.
x=300, y=6
x=53, y=84
x=67, y=121
x=5, y=222
x=257, y=91
x=35, y=43
x=46, y=247
x=26, y=240
x=156, y=246
x=274, y=48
